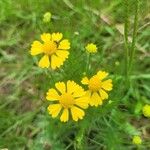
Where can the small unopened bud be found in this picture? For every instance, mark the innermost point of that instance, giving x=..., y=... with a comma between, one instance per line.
x=47, y=17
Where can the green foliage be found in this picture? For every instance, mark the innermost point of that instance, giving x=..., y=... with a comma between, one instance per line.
x=24, y=121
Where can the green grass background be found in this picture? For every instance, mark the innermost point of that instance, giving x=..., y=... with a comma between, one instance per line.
x=24, y=121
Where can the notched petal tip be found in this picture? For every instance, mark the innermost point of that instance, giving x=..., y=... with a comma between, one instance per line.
x=64, y=44
x=57, y=36
x=65, y=116
x=45, y=37
x=44, y=62
x=85, y=80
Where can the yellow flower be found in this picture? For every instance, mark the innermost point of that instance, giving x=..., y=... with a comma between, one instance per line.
x=47, y=17
x=55, y=50
x=69, y=97
x=91, y=48
x=146, y=110
x=97, y=88
x=136, y=140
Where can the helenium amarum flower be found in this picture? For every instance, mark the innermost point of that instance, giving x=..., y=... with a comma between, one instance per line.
x=69, y=97
x=97, y=88
x=55, y=50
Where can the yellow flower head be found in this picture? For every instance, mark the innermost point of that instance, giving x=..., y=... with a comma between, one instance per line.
x=97, y=87
x=91, y=48
x=146, y=110
x=69, y=97
x=136, y=140
x=55, y=50
x=47, y=17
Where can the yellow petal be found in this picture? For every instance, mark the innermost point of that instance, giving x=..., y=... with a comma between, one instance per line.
x=56, y=61
x=102, y=74
x=95, y=100
x=57, y=36
x=62, y=54
x=71, y=86
x=52, y=95
x=82, y=102
x=65, y=115
x=79, y=91
x=77, y=113
x=36, y=48
x=64, y=44
x=61, y=87
x=85, y=80
x=44, y=62
x=54, y=109
x=103, y=94
x=88, y=94
x=107, y=85
x=46, y=37
x=75, y=89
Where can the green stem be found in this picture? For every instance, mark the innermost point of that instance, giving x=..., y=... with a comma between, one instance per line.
x=79, y=139
x=134, y=35
x=138, y=147
x=49, y=74
x=88, y=63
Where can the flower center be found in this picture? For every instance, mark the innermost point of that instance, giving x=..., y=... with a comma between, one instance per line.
x=94, y=84
x=66, y=100
x=49, y=47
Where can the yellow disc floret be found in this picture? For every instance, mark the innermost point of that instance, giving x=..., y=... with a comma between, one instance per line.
x=66, y=100
x=49, y=47
x=94, y=83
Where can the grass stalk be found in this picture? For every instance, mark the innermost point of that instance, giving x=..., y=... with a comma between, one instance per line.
x=88, y=63
x=134, y=35
x=126, y=31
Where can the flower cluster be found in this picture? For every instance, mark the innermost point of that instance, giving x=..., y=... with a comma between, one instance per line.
x=68, y=99
x=71, y=96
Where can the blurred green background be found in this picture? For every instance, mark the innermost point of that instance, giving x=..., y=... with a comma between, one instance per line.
x=24, y=121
